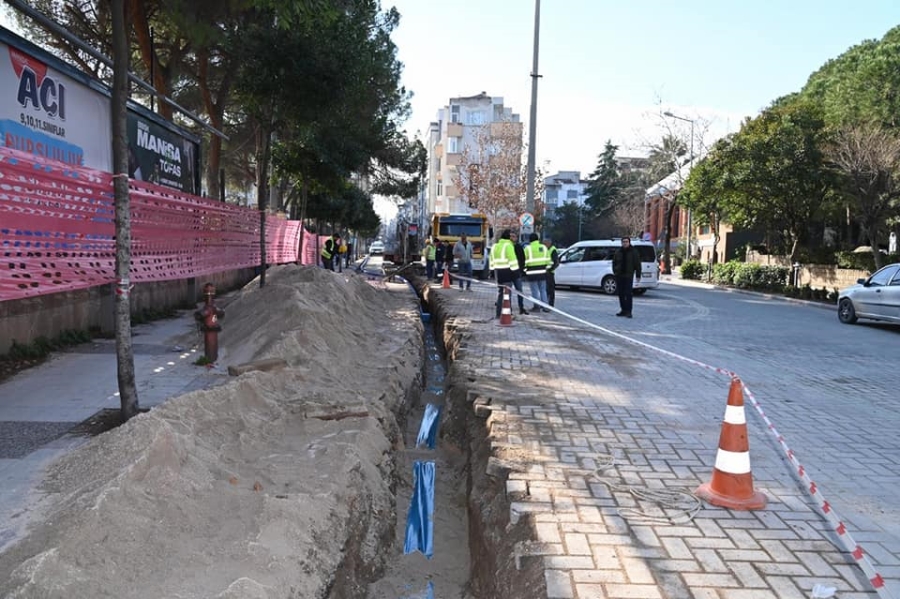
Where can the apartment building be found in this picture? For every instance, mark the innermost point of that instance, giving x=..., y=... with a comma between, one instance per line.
x=562, y=188
x=458, y=126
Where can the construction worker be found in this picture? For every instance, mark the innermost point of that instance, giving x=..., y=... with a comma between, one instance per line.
x=537, y=259
x=551, y=278
x=328, y=251
x=429, y=259
x=506, y=268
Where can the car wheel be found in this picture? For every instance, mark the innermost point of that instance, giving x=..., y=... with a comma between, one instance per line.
x=609, y=285
x=846, y=312
x=640, y=291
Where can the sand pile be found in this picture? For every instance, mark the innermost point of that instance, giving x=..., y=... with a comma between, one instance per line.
x=273, y=485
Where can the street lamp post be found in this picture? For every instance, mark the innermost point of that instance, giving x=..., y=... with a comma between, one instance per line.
x=687, y=254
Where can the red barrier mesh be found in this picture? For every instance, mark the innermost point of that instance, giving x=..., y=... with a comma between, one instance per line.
x=57, y=230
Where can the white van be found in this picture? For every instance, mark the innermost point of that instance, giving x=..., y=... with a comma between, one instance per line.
x=589, y=264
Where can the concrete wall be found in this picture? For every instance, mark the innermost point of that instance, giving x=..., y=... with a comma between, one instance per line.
x=94, y=309
x=817, y=276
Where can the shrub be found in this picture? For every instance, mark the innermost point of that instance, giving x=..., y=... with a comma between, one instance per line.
x=774, y=277
x=692, y=269
x=723, y=274
x=746, y=275
x=833, y=295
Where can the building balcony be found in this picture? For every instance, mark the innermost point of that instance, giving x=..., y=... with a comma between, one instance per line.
x=454, y=130
x=454, y=159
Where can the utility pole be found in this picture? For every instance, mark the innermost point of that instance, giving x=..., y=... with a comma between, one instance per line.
x=532, y=125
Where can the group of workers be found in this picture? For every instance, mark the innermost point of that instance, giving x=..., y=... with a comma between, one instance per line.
x=335, y=253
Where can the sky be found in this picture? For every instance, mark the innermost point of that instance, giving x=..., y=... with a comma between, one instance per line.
x=609, y=69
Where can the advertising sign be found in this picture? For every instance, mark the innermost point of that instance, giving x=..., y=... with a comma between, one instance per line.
x=52, y=115
x=161, y=156
x=49, y=109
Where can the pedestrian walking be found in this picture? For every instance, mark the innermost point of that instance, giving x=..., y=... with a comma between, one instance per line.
x=537, y=259
x=429, y=252
x=440, y=251
x=506, y=268
x=551, y=277
x=348, y=255
x=520, y=260
x=328, y=252
x=462, y=252
x=626, y=267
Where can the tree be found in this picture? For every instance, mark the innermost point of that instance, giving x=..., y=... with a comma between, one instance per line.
x=666, y=158
x=124, y=351
x=566, y=225
x=862, y=85
x=706, y=189
x=605, y=184
x=491, y=177
x=867, y=159
x=780, y=179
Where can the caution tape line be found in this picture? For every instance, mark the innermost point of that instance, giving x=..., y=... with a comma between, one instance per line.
x=854, y=548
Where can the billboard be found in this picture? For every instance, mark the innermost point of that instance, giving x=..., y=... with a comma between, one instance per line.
x=159, y=155
x=47, y=113
x=50, y=109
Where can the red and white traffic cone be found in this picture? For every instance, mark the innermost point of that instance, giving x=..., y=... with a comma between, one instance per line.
x=731, y=485
x=446, y=282
x=506, y=310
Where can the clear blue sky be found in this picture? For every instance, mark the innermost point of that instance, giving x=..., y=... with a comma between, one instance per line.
x=610, y=68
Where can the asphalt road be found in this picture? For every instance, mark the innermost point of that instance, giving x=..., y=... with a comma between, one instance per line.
x=832, y=390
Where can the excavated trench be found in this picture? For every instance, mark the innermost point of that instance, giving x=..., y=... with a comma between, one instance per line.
x=475, y=544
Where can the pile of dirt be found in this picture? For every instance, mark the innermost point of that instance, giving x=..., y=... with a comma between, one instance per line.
x=276, y=484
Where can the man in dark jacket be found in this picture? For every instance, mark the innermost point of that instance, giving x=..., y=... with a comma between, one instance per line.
x=517, y=282
x=551, y=278
x=626, y=267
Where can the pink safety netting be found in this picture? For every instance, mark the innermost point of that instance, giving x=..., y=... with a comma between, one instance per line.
x=57, y=230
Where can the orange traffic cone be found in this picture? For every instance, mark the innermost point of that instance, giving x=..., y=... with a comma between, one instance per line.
x=732, y=483
x=446, y=283
x=506, y=310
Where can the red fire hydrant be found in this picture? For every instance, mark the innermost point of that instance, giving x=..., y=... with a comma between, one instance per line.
x=208, y=318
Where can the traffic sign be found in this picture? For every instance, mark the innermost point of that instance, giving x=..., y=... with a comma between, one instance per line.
x=526, y=223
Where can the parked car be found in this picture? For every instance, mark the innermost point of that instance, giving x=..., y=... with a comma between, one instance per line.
x=376, y=248
x=589, y=264
x=875, y=298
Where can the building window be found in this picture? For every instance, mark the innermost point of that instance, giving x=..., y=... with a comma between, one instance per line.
x=452, y=145
x=475, y=117
x=454, y=114
x=705, y=230
x=572, y=194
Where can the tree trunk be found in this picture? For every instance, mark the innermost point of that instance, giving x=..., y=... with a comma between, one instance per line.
x=263, y=147
x=795, y=244
x=148, y=56
x=215, y=108
x=873, y=243
x=124, y=351
x=667, y=259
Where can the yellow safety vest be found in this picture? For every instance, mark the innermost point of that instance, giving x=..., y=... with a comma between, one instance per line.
x=503, y=255
x=537, y=258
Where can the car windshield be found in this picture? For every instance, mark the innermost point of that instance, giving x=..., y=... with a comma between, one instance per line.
x=883, y=276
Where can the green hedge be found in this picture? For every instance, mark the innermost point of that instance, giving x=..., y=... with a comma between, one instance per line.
x=692, y=269
x=750, y=276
